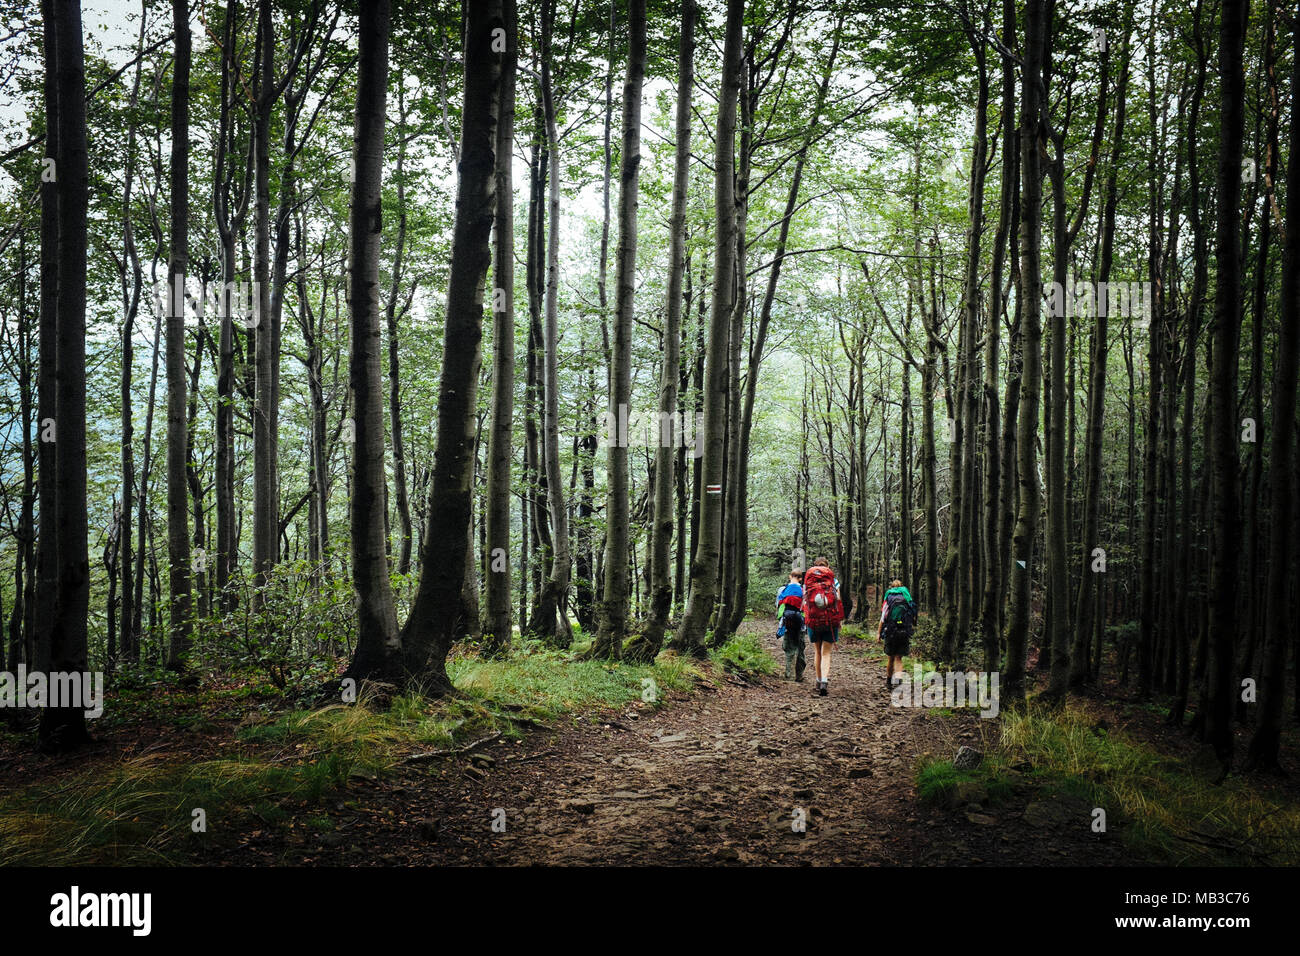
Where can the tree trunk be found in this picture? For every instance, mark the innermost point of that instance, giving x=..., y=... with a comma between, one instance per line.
x=432, y=626
x=1079, y=670
x=704, y=563
x=994, y=558
x=64, y=728
x=47, y=553
x=647, y=645
x=265, y=480
x=497, y=628
x=392, y=314
x=614, y=612
x=378, y=652
x=550, y=616
x=1031, y=126
x=131, y=293
x=178, y=542
x=1278, y=620
x=1226, y=531
x=967, y=544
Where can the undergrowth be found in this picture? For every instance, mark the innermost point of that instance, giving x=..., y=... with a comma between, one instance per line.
x=142, y=809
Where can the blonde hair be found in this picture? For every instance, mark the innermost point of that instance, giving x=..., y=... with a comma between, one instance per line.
x=896, y=583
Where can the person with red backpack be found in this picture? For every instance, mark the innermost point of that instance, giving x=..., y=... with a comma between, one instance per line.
x=823, y=611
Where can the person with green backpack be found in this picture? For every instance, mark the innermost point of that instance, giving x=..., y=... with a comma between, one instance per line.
x=897, y=618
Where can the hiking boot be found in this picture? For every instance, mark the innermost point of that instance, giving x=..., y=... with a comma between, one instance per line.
x=823, y=688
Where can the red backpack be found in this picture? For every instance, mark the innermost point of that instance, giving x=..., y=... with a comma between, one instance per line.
x=821, y=605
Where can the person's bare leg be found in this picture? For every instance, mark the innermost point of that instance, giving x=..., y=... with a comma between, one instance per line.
x=817, y=662
x=824, y=664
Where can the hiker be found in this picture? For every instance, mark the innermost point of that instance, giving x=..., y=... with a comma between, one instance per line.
x=823, y=612
x=789, y=601
x=897, y=617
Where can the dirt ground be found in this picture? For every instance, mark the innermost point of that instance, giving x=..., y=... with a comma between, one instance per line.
x=755, y=771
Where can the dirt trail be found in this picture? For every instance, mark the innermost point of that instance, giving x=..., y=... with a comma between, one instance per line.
x=717, y=776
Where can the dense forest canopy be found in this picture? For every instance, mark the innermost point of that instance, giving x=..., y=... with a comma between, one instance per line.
x=356, y=335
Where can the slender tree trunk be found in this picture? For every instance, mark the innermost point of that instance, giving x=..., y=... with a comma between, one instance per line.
x=226, y=555
x=20, y=629
x=265, y=479
x=47, y=553
x=378, y=653
x=929, y=457
x=647, y=645
x=64, y=728
x=1223, y=437
x=392, y=314
x=1279, y=622
x=178, y=542
x=550, y=616
x=994, y=567
x=429, y=631
x=1017, y=635
x=1079, y=670
x=967, y=544
x=704, y=563
x=497, y=628
x=131, y=293
x=613, y=619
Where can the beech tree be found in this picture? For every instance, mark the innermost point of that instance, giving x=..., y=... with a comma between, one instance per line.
x=708, y=549
x=614, y=610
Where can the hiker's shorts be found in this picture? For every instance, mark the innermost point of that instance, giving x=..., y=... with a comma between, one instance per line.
x=898, y=643
x=824, y=635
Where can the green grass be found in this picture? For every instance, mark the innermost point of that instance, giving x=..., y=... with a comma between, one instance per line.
x=1169, y=810
x=744, y=653
x=549, y=683
x=938, y=780
x=141, y=809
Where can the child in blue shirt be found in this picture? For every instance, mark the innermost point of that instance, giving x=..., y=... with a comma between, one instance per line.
x=789, y=604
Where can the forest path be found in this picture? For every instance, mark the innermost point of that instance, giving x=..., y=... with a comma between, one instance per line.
x=724, y=776
x=714, y=776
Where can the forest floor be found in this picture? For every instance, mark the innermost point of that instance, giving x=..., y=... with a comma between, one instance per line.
x=546, y=759
x=716, y=775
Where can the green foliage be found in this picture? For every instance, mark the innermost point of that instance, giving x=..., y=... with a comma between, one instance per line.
x=305, y=620
x=927, y=638
x=745, y=654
